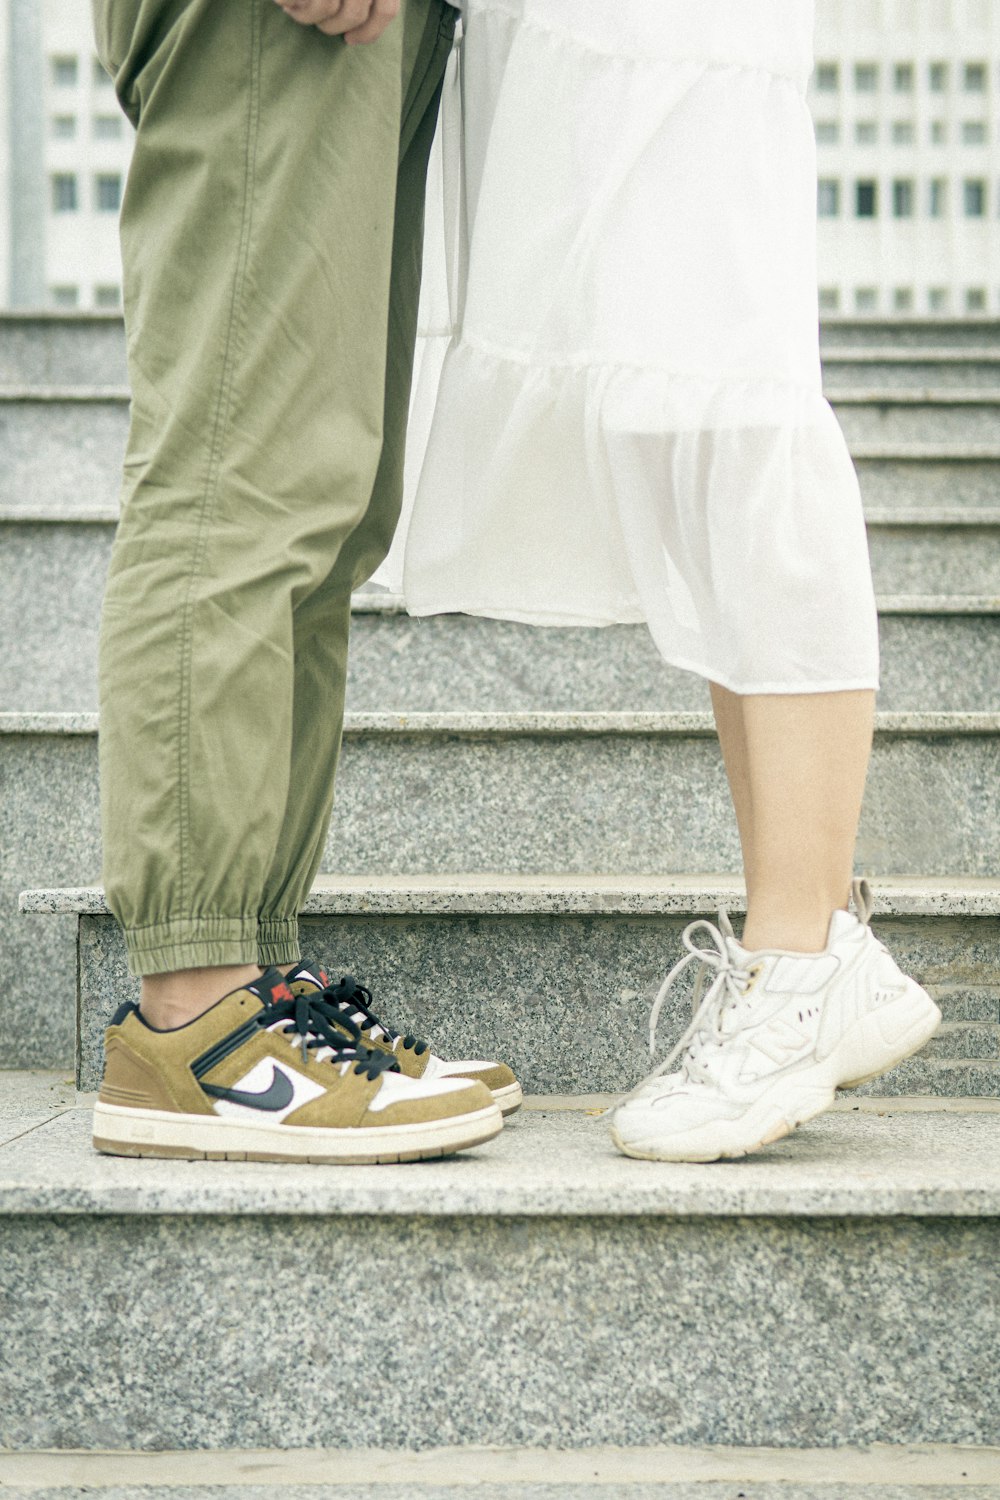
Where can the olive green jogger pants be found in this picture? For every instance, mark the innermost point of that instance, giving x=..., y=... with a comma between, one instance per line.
x=271, y=239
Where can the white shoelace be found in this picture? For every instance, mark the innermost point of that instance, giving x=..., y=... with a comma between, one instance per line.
x=728, y=987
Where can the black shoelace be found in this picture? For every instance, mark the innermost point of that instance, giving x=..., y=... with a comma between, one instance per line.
x=349, y=999
x=317, y=1027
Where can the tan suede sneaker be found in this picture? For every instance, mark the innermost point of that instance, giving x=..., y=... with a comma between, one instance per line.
x=415, y=1058
x=265, y=1075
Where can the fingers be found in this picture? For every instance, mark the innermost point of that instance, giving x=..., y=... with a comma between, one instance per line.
x=310, y=12
x=381, y=15
x=357, y=21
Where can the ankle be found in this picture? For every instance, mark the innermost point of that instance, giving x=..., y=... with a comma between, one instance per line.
x=172, y=1000
x=790, y=932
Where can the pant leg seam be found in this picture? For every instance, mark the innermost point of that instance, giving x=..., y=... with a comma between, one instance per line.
x=222, y=411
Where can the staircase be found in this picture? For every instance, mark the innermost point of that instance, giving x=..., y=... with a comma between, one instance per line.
x=543, y=1319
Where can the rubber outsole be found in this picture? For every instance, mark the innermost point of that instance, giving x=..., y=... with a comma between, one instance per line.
x=160, y=1133
x=509, y=1099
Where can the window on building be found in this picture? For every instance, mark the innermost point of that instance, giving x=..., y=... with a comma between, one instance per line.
x=829, y=299
x=108, y=192
x=829, y=198
x=866, y=132
x=65, y=296
x=827, y=77
x=101, y=78
x=974, y=197
x=107, y=296
x=865, y=199
x=937, y=77
x=827, y=132
x=903, y=132
x=903, y=78
x=866, y=299
x=937, y=299
x=973, y=132
x=64, y=193
x=65, y=71
x=865, y=78
x=937, y=200
x=939, y=133
x=902, y=299
x=64, y=127
x=107, y=127
x=903, y=194
x=974, y=78
x=975, y=299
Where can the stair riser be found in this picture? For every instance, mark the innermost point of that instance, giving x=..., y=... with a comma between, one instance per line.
x=564, y=999
x=906, y=483
x=57, y=351
x=522, y=804
x=919, y=421
x=67, y=455
x=51, y=606
x=546, y=1332
x=971, y=372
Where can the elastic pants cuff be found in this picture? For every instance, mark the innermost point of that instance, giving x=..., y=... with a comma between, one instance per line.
x=192, y=943
x=278, y=941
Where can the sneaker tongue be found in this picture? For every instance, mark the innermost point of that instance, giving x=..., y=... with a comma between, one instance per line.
x=841, y=923
x=272, y=987
x=309, y=974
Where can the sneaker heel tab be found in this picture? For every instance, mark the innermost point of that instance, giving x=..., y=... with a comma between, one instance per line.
x=126, y=1009
x=863, y=900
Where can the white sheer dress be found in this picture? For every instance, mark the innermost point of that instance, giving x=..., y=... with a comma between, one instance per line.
x=618, y=413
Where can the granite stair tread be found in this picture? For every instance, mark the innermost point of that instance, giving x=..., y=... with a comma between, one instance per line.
x=864, y=1158
x=878, y=1472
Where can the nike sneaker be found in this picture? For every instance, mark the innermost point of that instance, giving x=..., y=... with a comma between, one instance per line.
x=265, y=1075
x=347, y=998
x=774, y=1037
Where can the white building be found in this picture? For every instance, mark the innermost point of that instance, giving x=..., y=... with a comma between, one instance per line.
x=64, y=126
x=906, y=100
x=88, y=142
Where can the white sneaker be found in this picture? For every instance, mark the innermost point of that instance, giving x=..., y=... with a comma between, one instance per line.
x=774, y=1037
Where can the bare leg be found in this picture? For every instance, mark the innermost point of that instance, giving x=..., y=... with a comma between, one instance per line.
x=796, y=765
x=170, y=1000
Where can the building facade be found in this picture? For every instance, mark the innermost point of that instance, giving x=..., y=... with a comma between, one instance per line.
x=68, y=148
x=906, y=101
x=905, y=97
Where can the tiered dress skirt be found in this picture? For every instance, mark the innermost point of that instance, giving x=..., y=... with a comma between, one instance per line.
x=618, y=411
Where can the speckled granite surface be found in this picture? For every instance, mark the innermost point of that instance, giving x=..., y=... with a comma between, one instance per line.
x=52, y=602
x=558, y=1162
x=229, y=1331
x=558, y=982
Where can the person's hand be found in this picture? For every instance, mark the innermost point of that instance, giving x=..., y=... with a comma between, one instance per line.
x=357, y=21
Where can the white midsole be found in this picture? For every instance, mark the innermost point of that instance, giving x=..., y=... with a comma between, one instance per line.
x=157, y=1127
x=509, y=1098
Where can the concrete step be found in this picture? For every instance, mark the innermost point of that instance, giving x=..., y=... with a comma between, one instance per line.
x=910, y=367
x=900, y=336
x=904, y=414
x=938, y=652
x=542, y=1292
x=42, y=349
x=457, y=793
x=583, y=1474
x=39, y=348
x=64, y=447
x=557, y=975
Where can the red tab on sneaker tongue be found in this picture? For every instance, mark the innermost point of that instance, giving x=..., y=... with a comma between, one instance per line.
x=272, y=987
